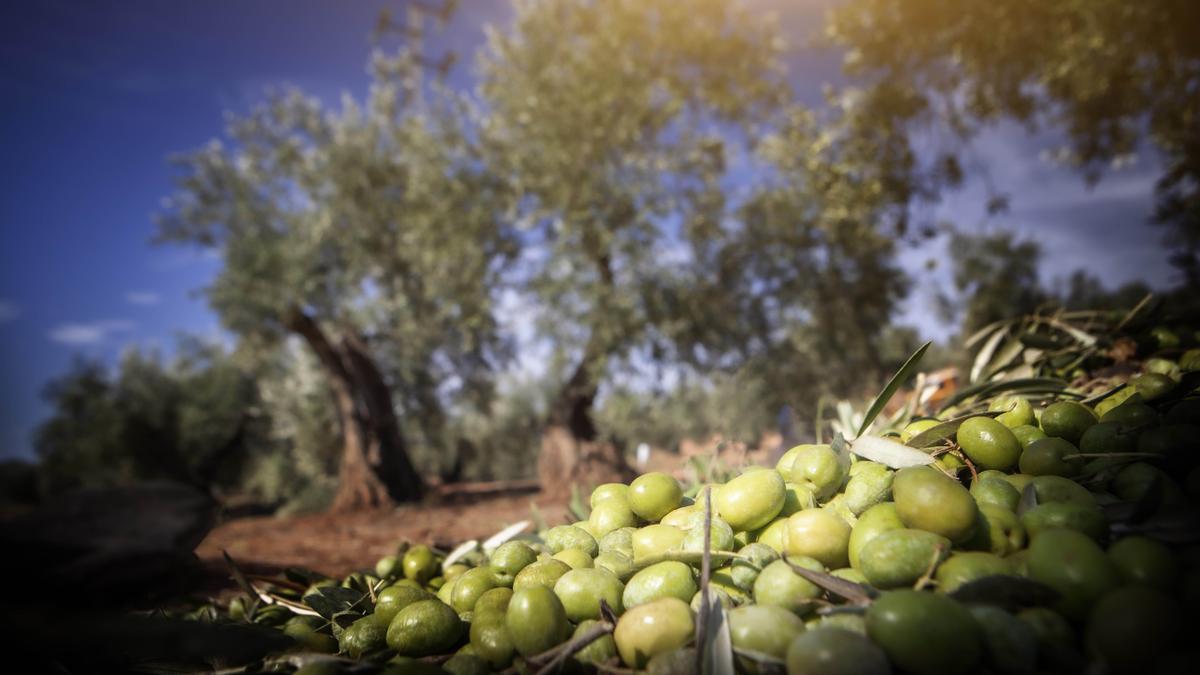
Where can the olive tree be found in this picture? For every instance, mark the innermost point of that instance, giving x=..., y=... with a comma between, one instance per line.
x=1108, y=74
x=369, y=232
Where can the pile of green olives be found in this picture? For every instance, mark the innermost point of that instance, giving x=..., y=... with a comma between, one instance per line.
x=1039, y=536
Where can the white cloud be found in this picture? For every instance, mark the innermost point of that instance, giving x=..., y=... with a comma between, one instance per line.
x=142, y=298
x=89, y=333
x=8, y=311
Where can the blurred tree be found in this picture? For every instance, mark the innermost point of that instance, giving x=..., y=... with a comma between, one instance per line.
x=995, y=276
x=370, y=233
x=191, y=421
x=1109, y=73
x=610, y=120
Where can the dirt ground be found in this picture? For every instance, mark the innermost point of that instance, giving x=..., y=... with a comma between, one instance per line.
x=338, y=544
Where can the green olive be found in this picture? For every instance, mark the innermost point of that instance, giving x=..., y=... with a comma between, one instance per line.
x=1186, y=411
x=541, y=573
x=915, y=428
x=818, y=534
x=1129, y=629
x=490, y=639
x=1027, y=433
x=465, y=664
x=597, y=651
x=898, y=558
x=1000, y=531
x=1059, y=490
x=1152, y=385
x=968, y=566
x=988, y=443
x=751, y=500
x=819, y=468
x=757, y=556
x=1115, y=399
x=419, y=564
x=470, y=586
x=494, y=601
x=1144, y=561
x=766, y=629
x=657, y=627
x=778, y=585
x=655, y=540
x=365, y=635
x=682, y=516
x=1053, y=632
x=1067, y=420
x=796, y=498
x=1017, y=411
x=995, y=491
x=1073, y=564
x=424, y=628
x=1089, y=520
x=925, y=633
x=1009, y=644
x=509, y=559
x=388, y=566
x=870, y=484
x=829, y=650
x=773, y=534
x=875, y=520
x=620, y=540
x=581, y=591
x=610, y=515
x=654, y=495
x=454, y=571
x=1132, y=414
x=1108, y=438
x=536, y=620
x=306, y=631
x=1047, y=457
x=394, y=598
x=928, y=500
x=570, y=536
x=575, y=558
x=610, y=491
x=618, y=563
x=1169, y=439
x=669, y=578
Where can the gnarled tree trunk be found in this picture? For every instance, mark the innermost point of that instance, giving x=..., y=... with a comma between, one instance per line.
x=571, y=452
x=375, y=469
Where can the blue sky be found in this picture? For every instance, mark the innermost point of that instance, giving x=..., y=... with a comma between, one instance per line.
x=97, y=95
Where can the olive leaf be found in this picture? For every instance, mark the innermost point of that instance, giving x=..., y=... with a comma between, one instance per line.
x=304, y=576
x=716, y=651
x=461, y=551
x=329, y=601
x=1134, y=312
x=1024, y=384
x=984, y=357
x=855, y=593
x=493, y=542
x=765, y=664
x=1007, y=591
x=906, y=371
x=889, y=452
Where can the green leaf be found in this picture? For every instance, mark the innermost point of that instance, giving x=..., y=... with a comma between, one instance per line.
x=330, y=601
x=906, y=371
x=1026, y=384
x=985, y=355
x=889, y=453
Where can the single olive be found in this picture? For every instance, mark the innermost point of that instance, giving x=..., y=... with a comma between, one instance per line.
x=388, y=566
x=929, y=500
x=581, y=591
x=1017, y=411
x=1130, y=628
x=536, y=620
x=654, y=495
x=999, y=531
x=1089, y=520
x=996, y=492
x=1067, y=420
x=751, y=500
x=855, y=623
x=446, y=592
x=494, y=601
x=655, y=540
x=968, y=566
x=925, y=633
x=1073, y=564
x=669, y=578
x=720, y=536
x=1108, y=438
x=870, y=484
x=915, y=428
x=818, y=534
x=766, y=629
x=618, y=563
x=1169, y=439
x=1141, y=481
x=1052, y=631
x=470, y=586
x=653, y=628
x=1145, y=561
x=797, y=498
x=681, y=661
x=365, y=635
x=819, y=468
x=609, y=491
x=570, y=536
x=575, y=558
x=875, y=520
x=1115, y=399
x=1059, y=490
x=392, y=599
x=490, y=639
x=1132, y=414
x=1152, y=385
x=1009, y=644
x=829, y=650
x=609, y=515
x=420, y=564
x=541, y=573
x=1048, y=457
x=306, y=631
x=509, y=559
x=454, y=571
x=773, y=534
x=898, y=558
x=778, y=585
x=758, y=556
x=466, y=664
x=599, y=650
x=424, y=628
x=1027, y=433
x=681, y=516
x=620, y=540
x=988, y=443
x=1186, y=411
x=721, y=597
